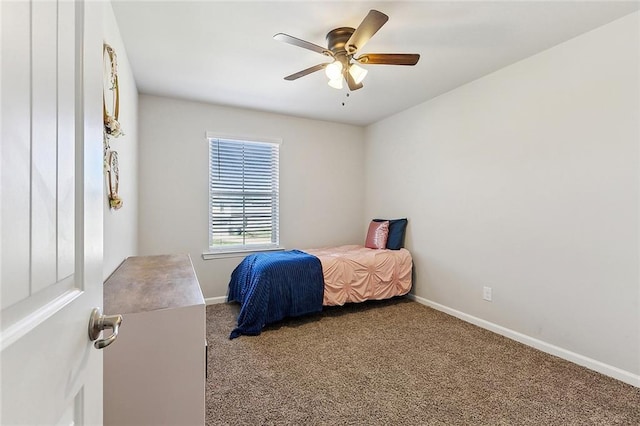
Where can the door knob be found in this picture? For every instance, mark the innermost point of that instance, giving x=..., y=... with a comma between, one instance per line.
x=99, y=322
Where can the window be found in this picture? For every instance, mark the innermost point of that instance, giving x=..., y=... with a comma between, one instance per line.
x=243, y=194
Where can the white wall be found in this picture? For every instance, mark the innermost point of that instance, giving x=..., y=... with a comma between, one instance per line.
x=321, y=180
x=121, y=226
x=526, y=180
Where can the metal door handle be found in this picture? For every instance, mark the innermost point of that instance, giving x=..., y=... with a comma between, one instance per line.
x=99, y=322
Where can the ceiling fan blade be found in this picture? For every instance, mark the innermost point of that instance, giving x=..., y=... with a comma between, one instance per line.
x=367, y=28
x=351, y=82
x=389, y=58
x=301, y=43
x=305, y=72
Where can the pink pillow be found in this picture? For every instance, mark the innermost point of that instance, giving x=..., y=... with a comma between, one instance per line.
x=377, y=235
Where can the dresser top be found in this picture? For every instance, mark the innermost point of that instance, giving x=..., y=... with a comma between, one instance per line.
x=149, y=283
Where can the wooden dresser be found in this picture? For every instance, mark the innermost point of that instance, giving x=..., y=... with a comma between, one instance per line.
x=154, y=372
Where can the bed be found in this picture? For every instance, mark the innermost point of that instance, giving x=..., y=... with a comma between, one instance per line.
x=273, y=286
x=353, y=273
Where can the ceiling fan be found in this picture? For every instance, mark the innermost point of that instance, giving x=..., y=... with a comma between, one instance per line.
x=342, y=45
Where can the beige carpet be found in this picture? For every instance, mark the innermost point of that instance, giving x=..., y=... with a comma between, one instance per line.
x=398, y=362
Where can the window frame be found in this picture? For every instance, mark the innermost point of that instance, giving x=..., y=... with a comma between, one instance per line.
x=223, y=251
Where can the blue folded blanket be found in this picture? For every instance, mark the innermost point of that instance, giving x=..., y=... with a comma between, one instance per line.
x=272, y=286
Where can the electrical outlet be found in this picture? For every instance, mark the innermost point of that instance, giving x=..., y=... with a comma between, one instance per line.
x=486, y=293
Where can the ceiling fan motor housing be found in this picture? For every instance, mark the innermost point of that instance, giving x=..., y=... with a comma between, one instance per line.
x=336, y=43
x=337, y=39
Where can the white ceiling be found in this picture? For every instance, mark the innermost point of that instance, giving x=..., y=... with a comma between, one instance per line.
x=224, y=53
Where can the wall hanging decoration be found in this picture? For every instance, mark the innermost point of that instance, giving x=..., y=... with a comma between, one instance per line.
x=113, y=180
x=111, y=94
x=112, y=128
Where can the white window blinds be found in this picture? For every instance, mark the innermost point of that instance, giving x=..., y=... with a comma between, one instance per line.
x=243, y=194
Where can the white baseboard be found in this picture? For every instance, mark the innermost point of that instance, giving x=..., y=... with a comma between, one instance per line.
x=592, y=364
x=215, y=300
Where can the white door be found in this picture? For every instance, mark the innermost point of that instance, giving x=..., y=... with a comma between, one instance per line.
x=51, y=211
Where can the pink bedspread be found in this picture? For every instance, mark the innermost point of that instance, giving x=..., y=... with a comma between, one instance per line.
x=356, y=273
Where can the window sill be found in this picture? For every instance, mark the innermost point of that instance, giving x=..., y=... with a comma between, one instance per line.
x=209, y=255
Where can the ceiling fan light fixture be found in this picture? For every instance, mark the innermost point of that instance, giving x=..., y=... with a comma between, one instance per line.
x=357, y=73
x=334, y=70
x=343, y=44
x=336, y=83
